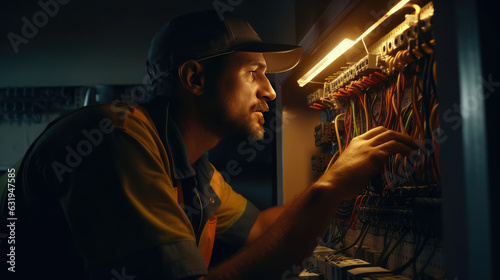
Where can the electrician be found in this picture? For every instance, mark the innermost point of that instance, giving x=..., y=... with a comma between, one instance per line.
x=119, y=191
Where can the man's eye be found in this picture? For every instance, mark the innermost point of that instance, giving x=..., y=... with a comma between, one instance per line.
x=252, y=72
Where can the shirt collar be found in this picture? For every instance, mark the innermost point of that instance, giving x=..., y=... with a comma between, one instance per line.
x=197, y=182
x=170, y=135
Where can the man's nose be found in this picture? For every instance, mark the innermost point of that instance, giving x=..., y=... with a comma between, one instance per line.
x=266, y=91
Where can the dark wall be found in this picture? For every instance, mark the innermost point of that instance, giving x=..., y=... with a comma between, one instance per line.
x=306, y=14
x=105, y=42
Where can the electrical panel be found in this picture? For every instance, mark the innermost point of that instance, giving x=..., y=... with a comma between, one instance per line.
x=26, y=111
x=392, y=230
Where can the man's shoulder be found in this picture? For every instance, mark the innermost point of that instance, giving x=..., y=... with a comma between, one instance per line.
x=115, y=111
x=103, y=116
x=92, y=124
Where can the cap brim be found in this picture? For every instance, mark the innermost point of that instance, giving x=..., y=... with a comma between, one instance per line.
x=279, y=57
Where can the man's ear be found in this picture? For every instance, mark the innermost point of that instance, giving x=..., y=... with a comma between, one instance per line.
x=191, y=76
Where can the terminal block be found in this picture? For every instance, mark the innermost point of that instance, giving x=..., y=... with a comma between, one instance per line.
x=314, y=97
x=324, y=133
x=338, y=269
x=319, y=254
x=360, y=273
x=366, y=65
x=320, y=161
x=363, y=67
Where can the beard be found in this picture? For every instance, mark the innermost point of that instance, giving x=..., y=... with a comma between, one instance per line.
x=252, y=131
x=257, y=132
x=244, y=125
x=219, y=120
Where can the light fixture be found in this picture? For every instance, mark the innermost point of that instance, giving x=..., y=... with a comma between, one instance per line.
x=327, y=60
x=344, y=46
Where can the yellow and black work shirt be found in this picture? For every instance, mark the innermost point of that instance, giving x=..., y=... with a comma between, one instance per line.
x=101, y=181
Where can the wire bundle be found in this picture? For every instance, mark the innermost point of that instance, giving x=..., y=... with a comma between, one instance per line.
x=407, y=104
x=402, y=97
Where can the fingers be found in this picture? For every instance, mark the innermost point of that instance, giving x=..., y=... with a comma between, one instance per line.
x=381, y=135
x=373, y=132
x=393, y=147
x=396, y=136
x=365, y=156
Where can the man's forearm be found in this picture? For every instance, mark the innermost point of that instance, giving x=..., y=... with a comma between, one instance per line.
x=264, y=222
x=296, y=232
x=302, y=222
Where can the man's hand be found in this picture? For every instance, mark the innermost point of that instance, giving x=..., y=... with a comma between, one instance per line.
x=363, y=158
x=303, y=221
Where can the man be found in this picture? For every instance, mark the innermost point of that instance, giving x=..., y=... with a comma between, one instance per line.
x=120, y=191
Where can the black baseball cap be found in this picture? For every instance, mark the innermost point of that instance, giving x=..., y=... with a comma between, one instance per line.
x=203, y=34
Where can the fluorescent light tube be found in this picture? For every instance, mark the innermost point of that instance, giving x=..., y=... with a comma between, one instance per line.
x=344, y=46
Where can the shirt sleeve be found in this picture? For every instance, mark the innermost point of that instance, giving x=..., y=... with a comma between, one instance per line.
x=235, y=218
x=117, y=194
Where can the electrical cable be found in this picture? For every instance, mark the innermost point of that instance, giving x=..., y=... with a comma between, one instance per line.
x=387, y=244
x=338, y=233
x=402, y=268
x=357, y=253
x=354, y=217
x=340, y=239
x=337, y=131
x=347, y=126
x=365, y=227
x=367, y=116
x=433, y=121
x=356, y=131
x=406, y=101
x=385, y=258
x=422, y=270
x=372, y=116
x=332, y=160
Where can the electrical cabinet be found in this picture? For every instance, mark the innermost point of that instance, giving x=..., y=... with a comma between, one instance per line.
x=392, y=64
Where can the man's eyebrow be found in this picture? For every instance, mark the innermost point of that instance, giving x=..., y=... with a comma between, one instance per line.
x=259, y=64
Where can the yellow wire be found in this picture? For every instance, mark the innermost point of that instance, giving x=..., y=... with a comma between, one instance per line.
x=356, y=132
x=337, y=131
x=334, y=158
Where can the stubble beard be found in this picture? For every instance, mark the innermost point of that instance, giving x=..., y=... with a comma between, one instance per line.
x=227, y=125
x=244, y=127
x=256, y=133
x=252, y=131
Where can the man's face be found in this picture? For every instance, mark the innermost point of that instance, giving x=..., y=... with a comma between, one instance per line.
x=242, y=94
